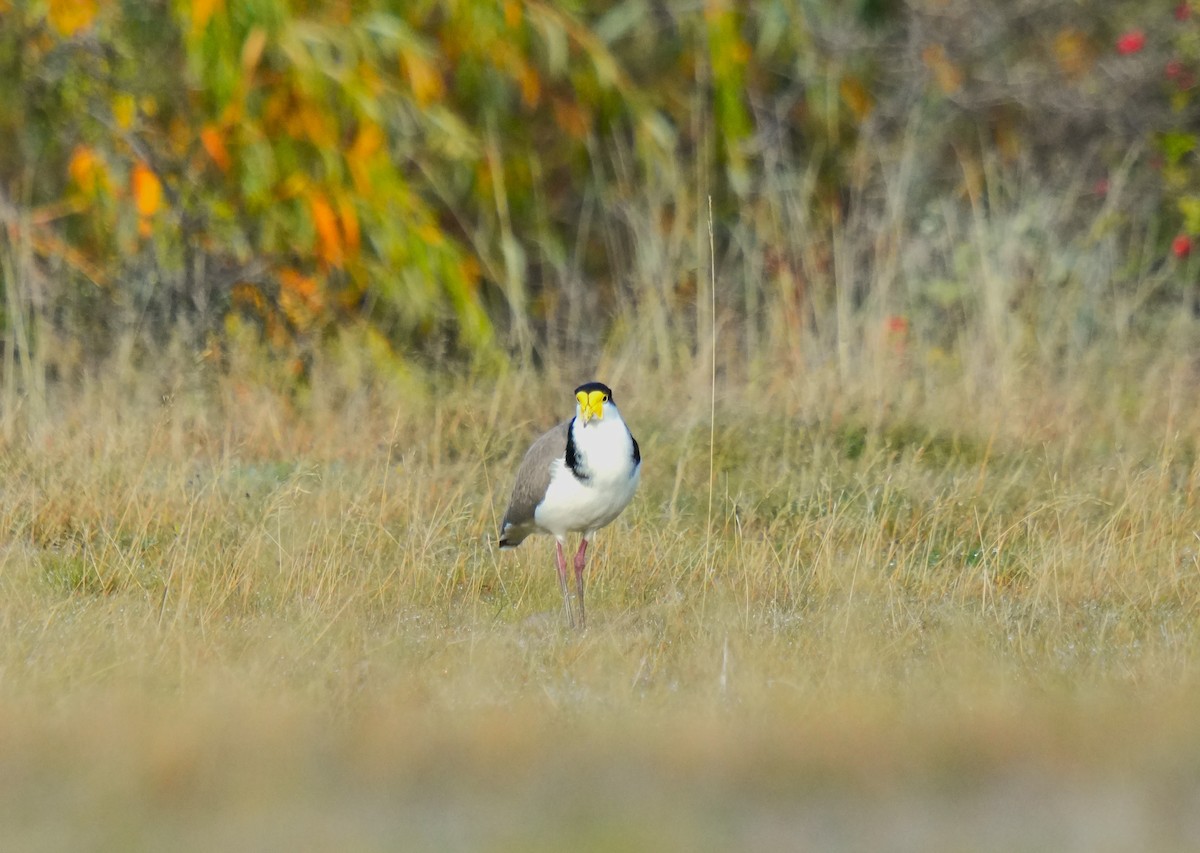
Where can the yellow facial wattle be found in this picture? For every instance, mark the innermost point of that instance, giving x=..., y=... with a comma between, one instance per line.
x=591, y=404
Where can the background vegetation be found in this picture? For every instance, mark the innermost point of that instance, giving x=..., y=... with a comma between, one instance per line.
x=288, y=287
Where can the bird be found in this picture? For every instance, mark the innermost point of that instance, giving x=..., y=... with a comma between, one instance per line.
x=575, y=478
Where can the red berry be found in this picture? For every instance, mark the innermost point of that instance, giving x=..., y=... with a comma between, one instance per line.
x=1182, y=11
x=1182, y=246
x=1174, y=69
x=1131, y=42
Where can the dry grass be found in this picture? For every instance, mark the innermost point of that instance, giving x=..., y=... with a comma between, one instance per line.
x=943, y=594
x=242, y=619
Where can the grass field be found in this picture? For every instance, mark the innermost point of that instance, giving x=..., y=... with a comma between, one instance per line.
x=899, y=299
x=924, y=614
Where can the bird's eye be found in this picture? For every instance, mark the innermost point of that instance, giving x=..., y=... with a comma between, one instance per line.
x=603, y=398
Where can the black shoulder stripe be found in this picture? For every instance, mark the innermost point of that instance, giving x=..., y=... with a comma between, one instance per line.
x=637, y=451
x=572, y=457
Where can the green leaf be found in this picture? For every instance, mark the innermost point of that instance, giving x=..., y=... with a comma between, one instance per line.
x=1189, y=206
x=1176, y=144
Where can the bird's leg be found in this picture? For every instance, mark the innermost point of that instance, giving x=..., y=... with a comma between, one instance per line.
x=580, y=562
x=561, y=563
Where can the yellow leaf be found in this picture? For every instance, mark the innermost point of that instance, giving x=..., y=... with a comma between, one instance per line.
x=423, y=78
x=124, y=110
x=740, y=51
x=329, y=241
x=856, y=96
x=202, y=11
x=361, y=153
x=147, y=190
x=180, y=133
x=512, y=14
x=71, y=16
x=430, y=234
x=296, y=183
x=232, y=114
x=1072, y=53
x=252, y=50
x=949, y=76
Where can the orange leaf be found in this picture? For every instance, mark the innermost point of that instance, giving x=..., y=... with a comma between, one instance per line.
x=329, y=241
x=468, y=268
x=276, y=111
x=83, y=167
x=531, y=85
x=368, y=140
x=71, y=16
x=350, y=229
x=147, y=190
x=572, y=118
x=214, y=144
x=299, y=297
x=316, y=125
x=294, y=280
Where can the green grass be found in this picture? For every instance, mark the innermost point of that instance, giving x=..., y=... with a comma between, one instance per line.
x=254, y=620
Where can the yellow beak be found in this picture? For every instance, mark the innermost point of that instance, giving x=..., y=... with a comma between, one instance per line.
x=591, y=404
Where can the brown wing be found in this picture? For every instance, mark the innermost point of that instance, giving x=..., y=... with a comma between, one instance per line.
x=533, y=478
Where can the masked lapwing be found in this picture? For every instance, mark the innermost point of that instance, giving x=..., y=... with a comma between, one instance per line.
x=576, y=478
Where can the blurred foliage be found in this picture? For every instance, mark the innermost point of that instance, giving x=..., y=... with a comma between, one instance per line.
x=428, y=174
x=1177, y=137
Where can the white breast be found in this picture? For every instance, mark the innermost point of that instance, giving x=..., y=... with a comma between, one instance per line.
x=571, y=505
